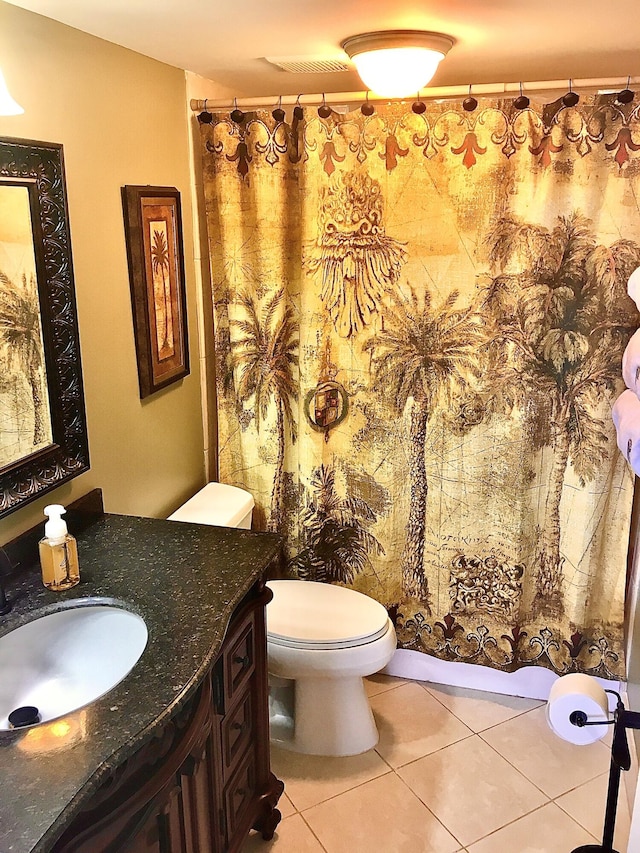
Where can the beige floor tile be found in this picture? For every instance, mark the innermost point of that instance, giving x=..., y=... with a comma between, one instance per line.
x=480, y=710
x=551, y=763
x=292, y=836
x=380, y=683
x=412, y=724
x=382, y=816
x=286, y=806
x=587, y=803
x=548, y=830
x=471, y=789
x=311, y=779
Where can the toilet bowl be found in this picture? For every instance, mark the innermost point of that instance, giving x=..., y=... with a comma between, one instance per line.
x=321, y=641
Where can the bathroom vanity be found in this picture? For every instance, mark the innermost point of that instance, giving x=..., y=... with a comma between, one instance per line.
x=176, y=756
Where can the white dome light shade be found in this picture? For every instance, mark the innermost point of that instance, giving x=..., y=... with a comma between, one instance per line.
x=8, y=107
x=397, y=63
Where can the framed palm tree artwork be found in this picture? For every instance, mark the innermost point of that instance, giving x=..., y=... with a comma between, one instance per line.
x=153, y=231
x=43, y=433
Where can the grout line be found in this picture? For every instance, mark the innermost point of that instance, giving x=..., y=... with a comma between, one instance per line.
x=418, y=797
x=353, y=788
x=513, y=766
x=313, y=833
x=533, y=811
x=522, y=773
x=393, y=769
x=424, y=685
x=435, y=751
x=334, y=796
x=578, y=821
x=524, y=814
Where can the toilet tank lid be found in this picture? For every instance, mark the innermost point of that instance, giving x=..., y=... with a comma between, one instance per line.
x=216, y=504
x=312, y=612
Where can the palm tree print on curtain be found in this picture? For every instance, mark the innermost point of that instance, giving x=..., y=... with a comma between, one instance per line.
x=266, y=353
x=478, y=340
x=337, y=543
x=563, y=317
x=423, y=354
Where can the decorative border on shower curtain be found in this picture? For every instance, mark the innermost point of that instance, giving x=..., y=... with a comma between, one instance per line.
x=470, y=642
x=542, y=131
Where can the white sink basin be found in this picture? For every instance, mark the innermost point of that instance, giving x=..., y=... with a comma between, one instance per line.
x=65, y=660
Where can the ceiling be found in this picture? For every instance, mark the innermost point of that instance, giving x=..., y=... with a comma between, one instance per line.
x=496, y=40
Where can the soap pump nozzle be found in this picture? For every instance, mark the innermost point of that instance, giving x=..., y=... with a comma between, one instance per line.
x=55, y=530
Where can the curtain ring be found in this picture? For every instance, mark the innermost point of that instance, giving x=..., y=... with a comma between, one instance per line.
x=324, y=111
x=237, y=115
x=367, y=109
x=571, y=98
x=522, y=102
x=418, y=106
x=470, y=103
x=278, y=113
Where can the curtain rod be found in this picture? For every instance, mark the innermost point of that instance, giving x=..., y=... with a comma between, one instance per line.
x=612, y=84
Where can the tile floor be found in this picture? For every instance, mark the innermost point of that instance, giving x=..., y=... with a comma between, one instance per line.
x=455, y=771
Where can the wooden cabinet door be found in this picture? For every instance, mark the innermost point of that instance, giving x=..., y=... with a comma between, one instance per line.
x=202, y=815
x=158, y=799
x=204, y=780
x=157, y=829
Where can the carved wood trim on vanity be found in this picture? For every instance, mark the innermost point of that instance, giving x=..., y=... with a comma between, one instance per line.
x=204, y=780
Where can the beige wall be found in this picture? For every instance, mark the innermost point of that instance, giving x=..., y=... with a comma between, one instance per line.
x=122, y=119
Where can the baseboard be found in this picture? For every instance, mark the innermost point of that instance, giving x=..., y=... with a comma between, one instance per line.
x=530, y=682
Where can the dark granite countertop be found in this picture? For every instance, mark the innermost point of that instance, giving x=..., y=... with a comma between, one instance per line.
x=185, y=581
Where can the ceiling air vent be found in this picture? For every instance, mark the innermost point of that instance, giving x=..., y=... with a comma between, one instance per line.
x=309, y=64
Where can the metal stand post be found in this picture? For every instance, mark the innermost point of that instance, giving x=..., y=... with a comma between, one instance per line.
x=620, y=760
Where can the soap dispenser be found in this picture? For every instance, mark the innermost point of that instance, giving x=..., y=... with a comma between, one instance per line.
x=58, y=552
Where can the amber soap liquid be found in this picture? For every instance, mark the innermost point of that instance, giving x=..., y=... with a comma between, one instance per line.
x=59, y=564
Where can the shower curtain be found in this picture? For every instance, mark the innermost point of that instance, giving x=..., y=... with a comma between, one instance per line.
x=419, y=322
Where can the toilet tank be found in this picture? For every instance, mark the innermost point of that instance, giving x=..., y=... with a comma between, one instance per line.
x=219, y=505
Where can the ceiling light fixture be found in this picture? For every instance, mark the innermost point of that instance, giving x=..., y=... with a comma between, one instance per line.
x=397, y=63
x=8, y=107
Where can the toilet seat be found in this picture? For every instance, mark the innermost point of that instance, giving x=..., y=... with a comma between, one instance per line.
x=320, y=616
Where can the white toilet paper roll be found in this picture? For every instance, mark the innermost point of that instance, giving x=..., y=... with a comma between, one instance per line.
x=577, y=692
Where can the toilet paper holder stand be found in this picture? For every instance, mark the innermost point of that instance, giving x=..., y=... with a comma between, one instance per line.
x=620, y=760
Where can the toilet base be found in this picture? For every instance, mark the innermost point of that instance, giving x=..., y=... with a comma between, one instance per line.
x=322, y=716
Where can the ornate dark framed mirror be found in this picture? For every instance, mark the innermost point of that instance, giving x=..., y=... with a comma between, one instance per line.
x=43, y=431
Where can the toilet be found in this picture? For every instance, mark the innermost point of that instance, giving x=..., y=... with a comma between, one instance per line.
x=321, y=641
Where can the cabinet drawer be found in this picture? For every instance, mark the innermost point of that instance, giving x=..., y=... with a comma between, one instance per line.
x=239, y=793
x=237, y=731
x=240, y=658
